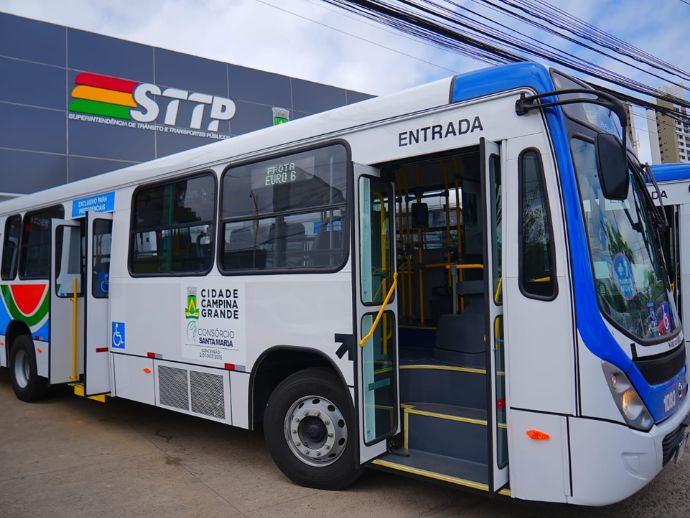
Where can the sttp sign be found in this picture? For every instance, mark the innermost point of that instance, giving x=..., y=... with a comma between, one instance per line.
x=121, y=102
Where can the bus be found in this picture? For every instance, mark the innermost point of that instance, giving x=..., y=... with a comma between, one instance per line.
x=669, y=186
x=459, y=282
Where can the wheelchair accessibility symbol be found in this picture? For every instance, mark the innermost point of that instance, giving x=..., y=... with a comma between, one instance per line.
x=118, y=335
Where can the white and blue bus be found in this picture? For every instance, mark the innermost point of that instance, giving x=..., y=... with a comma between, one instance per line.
x=669, y=186
x=461, y=282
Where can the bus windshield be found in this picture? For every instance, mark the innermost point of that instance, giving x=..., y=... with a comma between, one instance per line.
x=626, y=257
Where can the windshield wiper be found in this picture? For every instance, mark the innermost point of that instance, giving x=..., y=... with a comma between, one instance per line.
x=659, y=213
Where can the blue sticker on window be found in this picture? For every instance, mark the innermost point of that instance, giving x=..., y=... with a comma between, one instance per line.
x=623, y=274
x=103, y=284
x=99, y=203
x=118, y=335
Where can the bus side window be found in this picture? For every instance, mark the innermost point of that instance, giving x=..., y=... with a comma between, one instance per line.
x=34, y=251
x=286, y=213
x=68, y=256
x=537, y=267
x=10, y=247
x=100, y=271
x=173, y=226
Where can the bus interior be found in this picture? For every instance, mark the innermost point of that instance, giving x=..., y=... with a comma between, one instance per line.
x=442, y=328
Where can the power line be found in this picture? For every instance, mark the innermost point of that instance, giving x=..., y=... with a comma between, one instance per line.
x=566, y=21
x=446, y=28
x=526, y=19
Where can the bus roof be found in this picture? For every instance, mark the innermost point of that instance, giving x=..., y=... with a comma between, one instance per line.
x=671, y=172
x=462, y=87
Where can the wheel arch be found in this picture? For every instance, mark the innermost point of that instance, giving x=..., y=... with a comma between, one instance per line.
x=14, y=329
x=276, y=364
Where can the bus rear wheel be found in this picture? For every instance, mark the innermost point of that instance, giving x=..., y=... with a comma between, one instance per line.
x=309, y=430
x=27, y=384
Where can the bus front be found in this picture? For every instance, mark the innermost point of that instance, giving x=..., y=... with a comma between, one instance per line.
x=630, y=357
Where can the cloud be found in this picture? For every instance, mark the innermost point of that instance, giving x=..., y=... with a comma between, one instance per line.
x=312, y=40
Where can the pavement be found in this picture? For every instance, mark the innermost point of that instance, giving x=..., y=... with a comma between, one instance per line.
x=71, y=457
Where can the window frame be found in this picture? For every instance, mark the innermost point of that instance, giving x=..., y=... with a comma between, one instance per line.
x=393, y=243
x=82, y=264
x=549, y=223
x=90, y=250
x=213, y=223
x=347, y=208
x=26, y=215
x=13, y=274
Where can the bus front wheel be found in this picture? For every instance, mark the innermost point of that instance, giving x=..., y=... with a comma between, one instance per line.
x=310, y=432
x=27, y=384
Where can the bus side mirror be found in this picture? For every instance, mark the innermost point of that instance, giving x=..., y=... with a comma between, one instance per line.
x=613, y=167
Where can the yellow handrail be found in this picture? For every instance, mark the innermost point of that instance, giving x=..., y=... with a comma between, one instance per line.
x=381, y=310
x=448, y=266
x=499, y=287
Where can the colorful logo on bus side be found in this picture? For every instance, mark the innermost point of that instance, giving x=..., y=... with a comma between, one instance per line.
x=122, y=99
x=29, y=303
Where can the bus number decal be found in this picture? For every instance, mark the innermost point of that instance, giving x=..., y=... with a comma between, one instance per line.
x=669, y=401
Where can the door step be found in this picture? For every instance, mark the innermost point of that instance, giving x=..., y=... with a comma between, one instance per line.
x=447, y=430
x=438, y=467
x=443, y=384
x=80, y=390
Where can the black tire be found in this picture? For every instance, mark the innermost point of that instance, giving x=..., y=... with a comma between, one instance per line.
x=27, y=384
x=320, y=385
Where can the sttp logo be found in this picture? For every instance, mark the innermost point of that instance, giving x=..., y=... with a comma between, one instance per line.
x=107, y=96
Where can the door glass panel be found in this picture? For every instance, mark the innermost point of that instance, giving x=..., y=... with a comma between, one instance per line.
x=496, y=217
x=500, y=383
x=100, y=272
x=375, y=231
x=69, y=261
x=378, y=377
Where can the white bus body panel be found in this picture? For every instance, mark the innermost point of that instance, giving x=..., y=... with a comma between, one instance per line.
x=134, y=378
x=42, y=350
x=539, y=470
x=610, y=462
x=539, y=334
x=239, y=393
x=3, y=353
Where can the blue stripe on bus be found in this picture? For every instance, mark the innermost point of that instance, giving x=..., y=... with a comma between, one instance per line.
x=671, y=172
x=590, y=323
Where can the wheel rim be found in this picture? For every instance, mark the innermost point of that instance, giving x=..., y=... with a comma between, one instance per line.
x=22, y=369
x=315, y=430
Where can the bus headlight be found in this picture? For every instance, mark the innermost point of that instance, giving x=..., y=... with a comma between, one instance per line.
x=628, y=401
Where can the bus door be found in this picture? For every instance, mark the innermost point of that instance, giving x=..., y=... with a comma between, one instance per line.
x=498, y=436
x=66, y=310
x=376, y=311
x=97, y=322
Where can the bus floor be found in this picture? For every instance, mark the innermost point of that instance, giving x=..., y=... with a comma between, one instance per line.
x=444, y=423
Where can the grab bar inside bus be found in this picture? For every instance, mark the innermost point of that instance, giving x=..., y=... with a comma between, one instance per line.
x=365, y=339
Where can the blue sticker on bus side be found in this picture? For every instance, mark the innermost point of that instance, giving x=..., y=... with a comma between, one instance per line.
x=98, y=203
x=118, y=335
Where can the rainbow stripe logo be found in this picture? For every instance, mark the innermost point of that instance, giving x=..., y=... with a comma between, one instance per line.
x=103, y=95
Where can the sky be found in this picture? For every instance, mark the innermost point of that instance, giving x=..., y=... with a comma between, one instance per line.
x=312, y=40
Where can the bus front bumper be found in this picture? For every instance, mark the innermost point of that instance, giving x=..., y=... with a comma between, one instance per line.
x=611, y=461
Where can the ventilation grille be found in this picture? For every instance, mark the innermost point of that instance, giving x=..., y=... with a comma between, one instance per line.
x=207, y=394
x=173, y=387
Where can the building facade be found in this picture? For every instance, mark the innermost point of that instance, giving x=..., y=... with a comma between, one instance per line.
x=74, y=104
x=669, y=139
